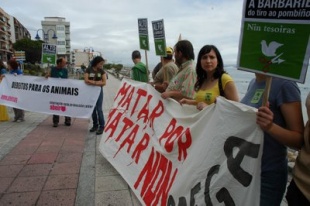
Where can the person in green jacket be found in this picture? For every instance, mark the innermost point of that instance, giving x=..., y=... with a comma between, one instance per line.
x=139, y=71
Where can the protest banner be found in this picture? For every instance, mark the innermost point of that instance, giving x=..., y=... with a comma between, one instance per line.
x=66, y=97
x=275, y=38
x=171, y=154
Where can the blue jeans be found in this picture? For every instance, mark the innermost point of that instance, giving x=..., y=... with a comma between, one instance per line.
x=98, y=113
x=273, y=185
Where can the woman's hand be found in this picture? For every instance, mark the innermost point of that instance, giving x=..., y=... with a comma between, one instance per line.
x=201, y=105
x=165, y=95
x=183, y=101
x=264, y=118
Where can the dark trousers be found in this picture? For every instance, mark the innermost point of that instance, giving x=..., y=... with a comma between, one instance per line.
x=19, y=114
x=295, y=197
x=56, y=119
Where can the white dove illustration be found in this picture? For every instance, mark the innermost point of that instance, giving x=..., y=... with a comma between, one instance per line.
x=270, y=50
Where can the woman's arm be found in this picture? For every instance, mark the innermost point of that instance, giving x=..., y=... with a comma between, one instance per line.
x=177, y=95
x=188, y=101
x=292, y=135
x=103, y=81
x=231, y=92
x=87, y=81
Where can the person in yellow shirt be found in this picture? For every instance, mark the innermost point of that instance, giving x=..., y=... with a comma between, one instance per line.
x=212, y=80
x=4, y=115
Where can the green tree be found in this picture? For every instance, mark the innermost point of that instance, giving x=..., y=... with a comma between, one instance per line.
x=118, y=66
x=107, y=66
x=33, y=49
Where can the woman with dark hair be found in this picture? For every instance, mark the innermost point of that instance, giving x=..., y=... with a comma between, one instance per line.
x=14, y=69
x=212, y=80
x=96, y=76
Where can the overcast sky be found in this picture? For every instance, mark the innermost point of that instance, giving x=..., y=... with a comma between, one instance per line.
x=111, y=27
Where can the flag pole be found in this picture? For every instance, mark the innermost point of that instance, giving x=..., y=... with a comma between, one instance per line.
x=147, y=66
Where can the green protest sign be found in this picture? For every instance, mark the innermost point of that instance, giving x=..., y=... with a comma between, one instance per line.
x=49, y=53
x=275, y=39
x=159, y=37
x=143, y=34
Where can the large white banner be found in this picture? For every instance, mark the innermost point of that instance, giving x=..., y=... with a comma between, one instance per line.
x=171, y=154
x=66, y=97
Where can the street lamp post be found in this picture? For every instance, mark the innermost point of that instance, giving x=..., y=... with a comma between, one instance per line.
x=48, y=57
x=45, y=35
x=97, y=53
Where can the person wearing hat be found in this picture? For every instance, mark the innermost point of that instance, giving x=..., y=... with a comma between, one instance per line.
x=139, y=71
x=166, y=73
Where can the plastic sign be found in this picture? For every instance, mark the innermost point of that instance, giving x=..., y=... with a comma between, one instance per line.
x=159, y=37
x=49, y=53
x=143, y=34
x=275, y=38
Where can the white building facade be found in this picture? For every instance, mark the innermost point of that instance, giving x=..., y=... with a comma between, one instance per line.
x=61, y=28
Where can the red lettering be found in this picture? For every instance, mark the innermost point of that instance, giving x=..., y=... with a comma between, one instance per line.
x=112, y=112
x=127, y=124
x=127, y=100
x=129, y=139
x=123, y=92
x=171, y=134
x=163, y=190
x=112, y=123
x=175, y=133
x=144, y=112
x=158, y=110
x=140, y=93
x=183, y=146
x=158, y=179
x=142, y=145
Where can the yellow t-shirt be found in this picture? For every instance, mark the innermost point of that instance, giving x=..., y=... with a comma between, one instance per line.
x=209, y=95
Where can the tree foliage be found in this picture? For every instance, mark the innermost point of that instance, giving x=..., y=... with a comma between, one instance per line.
x=33, y=49
x=117, y=67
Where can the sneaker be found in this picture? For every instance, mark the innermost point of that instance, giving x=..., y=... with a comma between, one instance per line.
x=68, y=123
x=99, y=131
x=55, y=125
x=93, y=129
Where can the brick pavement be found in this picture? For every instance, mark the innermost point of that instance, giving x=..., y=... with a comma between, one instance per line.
x=43, y=165
x=43, y=168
